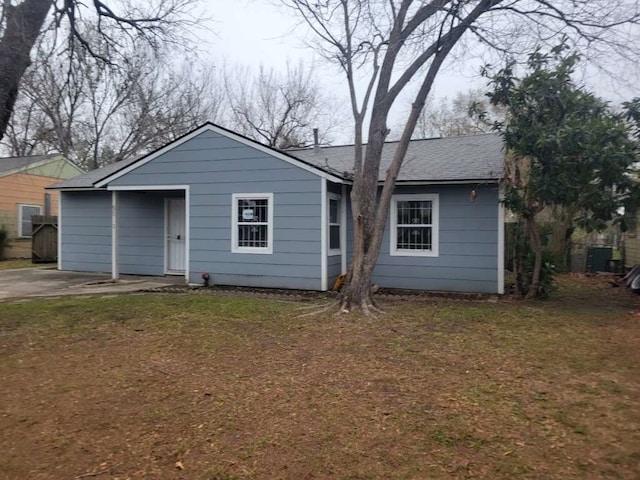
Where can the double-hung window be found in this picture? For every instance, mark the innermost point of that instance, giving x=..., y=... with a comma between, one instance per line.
x=333, y=216
x=25, y=212
x=252, y=223
x=414, y=225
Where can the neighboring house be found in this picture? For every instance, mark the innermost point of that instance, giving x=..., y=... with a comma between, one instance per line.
x=216, y=202
x=22, y=194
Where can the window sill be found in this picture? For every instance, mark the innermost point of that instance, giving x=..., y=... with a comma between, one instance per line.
x=253, y=251
x=413, y=253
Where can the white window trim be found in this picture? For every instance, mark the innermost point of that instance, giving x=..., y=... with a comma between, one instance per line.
x=268, y=250
x=435, y=225
x=332, y=252
x=20, y=205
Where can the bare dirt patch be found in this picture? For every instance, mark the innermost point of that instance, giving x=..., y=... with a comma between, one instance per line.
x=190, y=386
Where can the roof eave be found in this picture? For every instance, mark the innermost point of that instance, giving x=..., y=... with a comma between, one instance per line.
x=446, y=181
x=74, y=189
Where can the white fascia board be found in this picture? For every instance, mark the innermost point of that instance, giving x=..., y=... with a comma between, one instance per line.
x=443, y=182
x=225, y=133
x=77, y=189
x=138, y=188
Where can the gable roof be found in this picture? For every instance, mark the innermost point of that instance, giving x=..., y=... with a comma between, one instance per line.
x=9, y=165
x=449, y=159
x=54, y=166
x=101, y=177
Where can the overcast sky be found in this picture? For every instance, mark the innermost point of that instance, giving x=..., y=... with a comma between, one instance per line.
x=254, y=32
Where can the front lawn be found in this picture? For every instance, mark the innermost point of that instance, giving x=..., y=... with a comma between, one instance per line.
x=18, y=263
x=192, y=386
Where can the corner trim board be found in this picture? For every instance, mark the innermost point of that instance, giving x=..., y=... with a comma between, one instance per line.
x=343, y=230
x=114, y=236
x=59, y=232
x=500, y=243
x=323, y=235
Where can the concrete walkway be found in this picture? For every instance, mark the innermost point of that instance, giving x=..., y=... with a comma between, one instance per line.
x=48, y=282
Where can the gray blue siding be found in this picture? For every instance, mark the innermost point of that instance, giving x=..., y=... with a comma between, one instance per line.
x=141, y=233
x=215, y=167
x=468, y=245
x=85, y=226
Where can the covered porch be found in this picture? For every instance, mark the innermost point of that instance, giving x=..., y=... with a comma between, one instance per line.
x=149, y=231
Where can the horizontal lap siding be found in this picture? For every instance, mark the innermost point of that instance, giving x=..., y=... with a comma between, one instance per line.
x=215, y=167
x=86, y=231
x=334, y=269
x=468, y=245
x=22, y=188
x=141, y=233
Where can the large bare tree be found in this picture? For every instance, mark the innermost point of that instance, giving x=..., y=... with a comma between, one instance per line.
x=279, y=109
x=391, y=44
x=96, y=113
x=116, y=22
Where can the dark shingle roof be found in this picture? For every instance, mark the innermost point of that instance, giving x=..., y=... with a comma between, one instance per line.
x=89, y=179
x=8, y=164
x=471, y=157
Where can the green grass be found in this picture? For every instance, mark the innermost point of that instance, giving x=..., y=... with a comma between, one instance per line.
x=18, y=263
x=238, y=387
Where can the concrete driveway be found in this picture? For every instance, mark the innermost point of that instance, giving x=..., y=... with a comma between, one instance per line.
x=48, y=282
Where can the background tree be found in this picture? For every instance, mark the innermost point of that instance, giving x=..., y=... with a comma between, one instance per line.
x=96, y=113
x=279, y=110
x=387, y=44
x=116, y=23
x=445, y=117
x=567, y=150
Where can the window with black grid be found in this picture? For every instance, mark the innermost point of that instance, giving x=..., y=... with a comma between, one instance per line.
x=334, y=224
x=414, y=225
x=253, y=222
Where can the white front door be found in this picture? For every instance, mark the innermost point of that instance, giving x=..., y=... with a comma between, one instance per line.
x=176, y=235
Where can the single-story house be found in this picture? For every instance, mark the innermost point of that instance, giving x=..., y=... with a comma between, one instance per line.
x=216, y=202
x=22, y=194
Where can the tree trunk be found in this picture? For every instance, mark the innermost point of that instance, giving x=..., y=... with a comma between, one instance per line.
x=370, y=213
x=536, y=244
x=561, y=230
x=23, y=25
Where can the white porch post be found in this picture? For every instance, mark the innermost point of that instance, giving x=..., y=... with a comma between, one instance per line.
x=323, y=235
x=59, y=230
x=500, y=242
x=115, y=274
